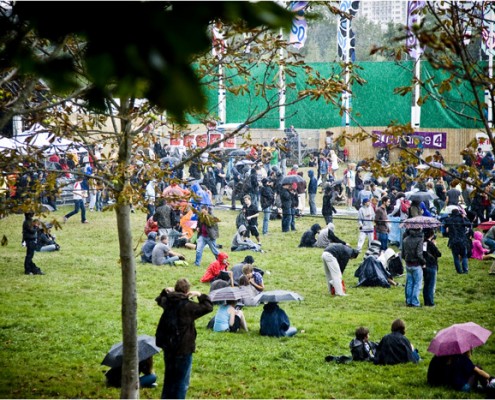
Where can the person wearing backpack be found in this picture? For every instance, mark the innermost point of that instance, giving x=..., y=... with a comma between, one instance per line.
x=176, y=334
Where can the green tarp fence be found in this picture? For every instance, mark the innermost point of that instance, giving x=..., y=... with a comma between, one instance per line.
x=373, y=103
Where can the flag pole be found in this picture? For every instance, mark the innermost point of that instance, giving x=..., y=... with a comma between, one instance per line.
x=281, y=97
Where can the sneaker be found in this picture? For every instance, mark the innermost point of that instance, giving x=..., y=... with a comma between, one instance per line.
x=39, y=272
x=86, y=222
x=65, y=219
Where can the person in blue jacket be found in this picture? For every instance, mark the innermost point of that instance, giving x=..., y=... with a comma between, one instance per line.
x=275, y=322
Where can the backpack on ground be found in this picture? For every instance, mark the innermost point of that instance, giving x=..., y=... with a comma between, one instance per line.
x=168, y=332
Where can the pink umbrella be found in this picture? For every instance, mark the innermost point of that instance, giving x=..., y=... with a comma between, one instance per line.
x=458, y=338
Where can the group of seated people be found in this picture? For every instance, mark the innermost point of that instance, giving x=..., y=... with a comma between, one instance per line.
x=455, y=371
x=160, y=253
x=230, y=317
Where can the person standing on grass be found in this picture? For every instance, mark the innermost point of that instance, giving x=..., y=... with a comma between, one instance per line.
x=286, y=202
x=412, y=252
x=79, y=198
x=207, y=234
x=251, y=213
x=178, y=359
x=312, y=190
x=366, y=217
x=456, y=226
x=29, y=237
x=431, y=255
x=381, y=223
x=267, y=199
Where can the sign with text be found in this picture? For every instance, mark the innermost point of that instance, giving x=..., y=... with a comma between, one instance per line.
x=430, y=140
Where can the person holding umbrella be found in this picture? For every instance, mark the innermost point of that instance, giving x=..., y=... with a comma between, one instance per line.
x=275, y=322
x=452, y=366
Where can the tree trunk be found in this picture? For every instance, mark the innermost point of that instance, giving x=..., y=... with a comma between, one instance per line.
x=130, y=373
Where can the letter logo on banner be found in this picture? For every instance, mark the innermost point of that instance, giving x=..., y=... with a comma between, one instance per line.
x=299, y=28
x=413, y=18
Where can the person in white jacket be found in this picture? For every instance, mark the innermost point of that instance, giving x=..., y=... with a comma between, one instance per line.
x=366, y=218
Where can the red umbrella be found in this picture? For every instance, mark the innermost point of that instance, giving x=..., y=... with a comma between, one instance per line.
x=458, y=338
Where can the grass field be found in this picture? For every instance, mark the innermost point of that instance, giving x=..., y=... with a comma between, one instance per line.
x=56, y=329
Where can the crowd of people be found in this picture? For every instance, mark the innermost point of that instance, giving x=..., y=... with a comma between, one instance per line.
x=175, y=219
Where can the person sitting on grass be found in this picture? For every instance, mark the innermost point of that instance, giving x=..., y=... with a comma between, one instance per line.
x=395, y=348
x=148, y=246
x=147, y=380
x=46, y=241
x=218, y=269
x=478, y=251
x=229, y=319
x=241, y=241
x=308, y=238
x=458, y=372
x=254, y=278
x=361, y=347
x=162, y=254
x=275, y=322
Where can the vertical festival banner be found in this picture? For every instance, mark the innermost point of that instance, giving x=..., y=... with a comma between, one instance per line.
x=299, y=28
x=488, y=47
x=346, y=42
x=415, y=50
x=219, y=48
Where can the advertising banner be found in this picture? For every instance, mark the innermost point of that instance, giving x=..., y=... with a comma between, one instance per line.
x=431, y=140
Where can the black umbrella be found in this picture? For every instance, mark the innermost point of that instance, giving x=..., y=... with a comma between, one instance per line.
x=421, y=196
x=290, y=179
x=146, y=348
x=244, y=162
x=170, y=160
x=238, y=153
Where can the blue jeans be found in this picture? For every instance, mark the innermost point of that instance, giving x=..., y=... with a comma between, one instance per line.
x=430, y=280
x=292, y=219
x=490, y=243
x=286, y=219
x=460, y=251
x=177, y=376
x=146, y=381
x=383, y=238
x=414, y=278
x=266, y=219
x=312, y=204
x=78, y=204
x=201, y=244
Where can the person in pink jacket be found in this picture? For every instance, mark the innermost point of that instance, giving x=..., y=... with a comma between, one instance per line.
x=479, y=252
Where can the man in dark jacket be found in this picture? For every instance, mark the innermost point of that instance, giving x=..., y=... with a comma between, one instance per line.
x=312, y=189
x=412, y=253
x=456, y=226
x=178, y=360
x=267, y=199
x=395, y=348
x=286, y=200
x=29, y=237
x=308, y=238
x=335, y=258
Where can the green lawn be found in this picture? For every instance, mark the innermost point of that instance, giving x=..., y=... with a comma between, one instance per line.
x=56, y=329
